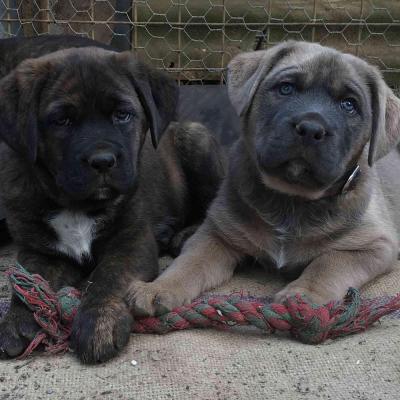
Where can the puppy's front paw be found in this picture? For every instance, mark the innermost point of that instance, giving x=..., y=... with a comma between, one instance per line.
x=100, y=331
x=152, y=298
x=17, y=330
x=313, y=295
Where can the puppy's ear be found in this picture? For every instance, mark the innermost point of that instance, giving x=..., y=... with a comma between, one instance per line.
x=157, y=92
x=247, y=70
x=385, y=104
x=19, y=107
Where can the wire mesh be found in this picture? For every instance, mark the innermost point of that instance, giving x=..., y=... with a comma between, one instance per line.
x=195, y=39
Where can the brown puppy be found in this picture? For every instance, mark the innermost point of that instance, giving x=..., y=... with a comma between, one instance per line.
x=294, y=196
x=88, y=199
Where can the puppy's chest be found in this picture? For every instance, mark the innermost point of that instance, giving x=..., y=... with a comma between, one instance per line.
x=75, y=232
x=280, y=249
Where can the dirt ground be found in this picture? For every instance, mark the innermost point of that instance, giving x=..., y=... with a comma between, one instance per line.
x=215, y=365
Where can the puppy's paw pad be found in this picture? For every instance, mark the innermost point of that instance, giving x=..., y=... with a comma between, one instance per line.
x=100, y=332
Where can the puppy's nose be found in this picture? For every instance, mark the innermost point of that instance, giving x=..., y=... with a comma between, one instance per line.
x=310, y=130
x=102, y=162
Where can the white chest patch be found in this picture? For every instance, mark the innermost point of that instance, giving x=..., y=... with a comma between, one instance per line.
x=75, y=233
x=278, y=254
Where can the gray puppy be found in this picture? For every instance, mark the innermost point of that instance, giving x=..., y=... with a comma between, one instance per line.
x=312, y=182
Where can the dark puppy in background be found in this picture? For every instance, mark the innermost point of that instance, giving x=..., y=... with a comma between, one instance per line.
x=16, y=49
x=210, y=106
x=89, y=201
x=313, y=186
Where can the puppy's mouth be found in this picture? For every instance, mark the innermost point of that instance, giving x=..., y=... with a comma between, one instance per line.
x=104, y=192
x=295, y=177
x=105, y=189
x=296, y=172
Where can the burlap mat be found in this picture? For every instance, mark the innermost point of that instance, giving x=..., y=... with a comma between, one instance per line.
x=206, y=364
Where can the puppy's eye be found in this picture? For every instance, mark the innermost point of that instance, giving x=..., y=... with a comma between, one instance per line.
x=62, y=121
x=286, y=88
x=348, y=105
x=121, y=117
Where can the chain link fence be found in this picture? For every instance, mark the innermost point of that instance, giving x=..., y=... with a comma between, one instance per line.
x=195, y=39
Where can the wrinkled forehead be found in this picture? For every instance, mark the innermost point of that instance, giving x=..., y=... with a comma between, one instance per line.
x=88, y=79
x=314, y=65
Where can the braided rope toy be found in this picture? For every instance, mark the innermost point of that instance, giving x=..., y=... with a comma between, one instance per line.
x=307, y=322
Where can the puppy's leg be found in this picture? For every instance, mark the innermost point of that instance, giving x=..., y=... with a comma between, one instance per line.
x=329, y=276
x=195, y=167
x=206, y=262
x=19, y=327
x=103, y=323
x=203, y=165
x=179, y=239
